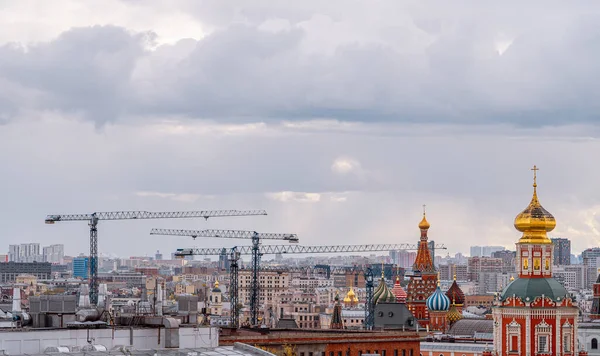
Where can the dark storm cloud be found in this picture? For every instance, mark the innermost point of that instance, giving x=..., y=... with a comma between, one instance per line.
x=262, y=61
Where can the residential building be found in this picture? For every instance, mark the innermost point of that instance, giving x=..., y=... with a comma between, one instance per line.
x=484, y=251
x=590, y=263
x=562, y=251
x=508, y=260
x=477, y=265
x=54, y=253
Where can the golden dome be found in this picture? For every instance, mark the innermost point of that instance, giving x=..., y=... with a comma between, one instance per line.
x=535, y=221
x=424, y=224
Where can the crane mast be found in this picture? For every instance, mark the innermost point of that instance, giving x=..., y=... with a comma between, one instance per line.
x=94, y=218
x=255, y=252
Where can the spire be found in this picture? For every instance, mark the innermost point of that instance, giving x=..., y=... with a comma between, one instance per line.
x=423, y=261
x=336, y=319
x=424, y=224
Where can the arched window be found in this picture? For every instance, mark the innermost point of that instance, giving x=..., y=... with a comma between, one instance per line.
x=594, y=344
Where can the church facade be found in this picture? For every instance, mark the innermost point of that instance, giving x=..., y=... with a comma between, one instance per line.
x=534, y=314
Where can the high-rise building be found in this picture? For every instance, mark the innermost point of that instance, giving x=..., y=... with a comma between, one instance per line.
x=562, y=251
x=81, y=267
x=484, y=251
x=406, y=258
x=590, y=263
x=54, y=253
x=29, y=252
x=158, y=256
x=431, y=245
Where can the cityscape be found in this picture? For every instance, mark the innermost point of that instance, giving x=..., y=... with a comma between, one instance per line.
x=314, y=178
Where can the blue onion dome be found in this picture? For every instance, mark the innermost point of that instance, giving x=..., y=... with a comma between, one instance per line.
x=383, y=294
x=438, y=301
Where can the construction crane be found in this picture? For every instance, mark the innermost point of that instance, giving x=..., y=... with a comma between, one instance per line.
x=255, y=251
x=94, y=218
x=237, y=251
x=291, y=249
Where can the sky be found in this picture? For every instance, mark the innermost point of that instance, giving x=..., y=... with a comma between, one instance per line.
x=340, y=118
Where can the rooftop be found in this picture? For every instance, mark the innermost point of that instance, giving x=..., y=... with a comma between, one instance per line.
x=235, y=350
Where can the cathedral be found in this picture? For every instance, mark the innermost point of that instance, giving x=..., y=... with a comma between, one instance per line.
x=424, y=279
x=534, y=314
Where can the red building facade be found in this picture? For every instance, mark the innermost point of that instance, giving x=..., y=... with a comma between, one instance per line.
x=535, y=314
x=423, y=280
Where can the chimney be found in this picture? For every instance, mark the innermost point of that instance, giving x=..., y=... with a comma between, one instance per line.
x=16, y=302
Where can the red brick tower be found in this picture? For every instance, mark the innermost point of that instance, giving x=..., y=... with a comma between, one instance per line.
x=423, y=280
x=535, y=314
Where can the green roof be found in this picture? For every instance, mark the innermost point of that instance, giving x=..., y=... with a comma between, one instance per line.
x=534, y=287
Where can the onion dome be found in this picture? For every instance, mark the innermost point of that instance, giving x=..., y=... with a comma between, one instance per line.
x=453, y=314
x=535, y=221
x=438, y=301
x=424, y=224
x=399, y=292
x=456, y=294
x=337, y=298
x=216, y=289
x=350, y=297
x=383, y=294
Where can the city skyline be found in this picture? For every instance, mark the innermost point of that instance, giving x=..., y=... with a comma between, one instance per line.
x=339, y=125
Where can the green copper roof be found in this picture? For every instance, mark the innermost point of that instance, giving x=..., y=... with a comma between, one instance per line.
x=534, y=287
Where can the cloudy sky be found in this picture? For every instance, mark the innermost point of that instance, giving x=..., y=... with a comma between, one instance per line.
x=340, y=118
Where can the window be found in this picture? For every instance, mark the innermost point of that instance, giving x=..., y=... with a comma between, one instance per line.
x=566, y=343
x=594, y=344
x=514, y=343
x=382, y=352
x=542, y=343
x=403, y=352
x=396, y=352
x=331, y=353
x=310, y=354
x=339, y=353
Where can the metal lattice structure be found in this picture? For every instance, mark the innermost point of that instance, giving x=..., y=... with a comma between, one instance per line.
x=234, y=257
x=94, y=218
x=369, y=307
x=291, y=249
x=227, y=234
x=255, y=252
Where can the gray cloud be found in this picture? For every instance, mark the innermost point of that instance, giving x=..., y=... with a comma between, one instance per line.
x=389, y=63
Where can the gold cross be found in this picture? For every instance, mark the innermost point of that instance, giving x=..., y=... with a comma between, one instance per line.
x=535, y=169
x=424, y=209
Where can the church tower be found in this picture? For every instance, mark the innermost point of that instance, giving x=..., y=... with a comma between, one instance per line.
x=535, y=315
x=216, y=300
x=423, y=281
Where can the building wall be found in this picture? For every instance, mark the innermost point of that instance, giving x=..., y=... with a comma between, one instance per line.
x=35, y=342
x=10, y=270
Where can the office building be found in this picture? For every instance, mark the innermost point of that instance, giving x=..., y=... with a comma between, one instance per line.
x=81, y=267
x=10, y=270
x=562, y=251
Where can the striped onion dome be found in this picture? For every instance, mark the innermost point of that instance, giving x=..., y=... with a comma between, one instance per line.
x=383, y=294
x=399, y=291
x=438, y=301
